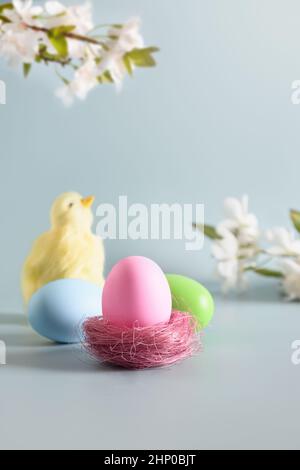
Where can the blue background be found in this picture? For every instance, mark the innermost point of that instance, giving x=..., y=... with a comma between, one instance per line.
x=214, y=119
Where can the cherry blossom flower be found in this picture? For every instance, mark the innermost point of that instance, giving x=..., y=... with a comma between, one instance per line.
x=79, y=16
x=127, y=36
x=230, y=265
x=24, y=11
x=85, y=79
x=18, y=47
x=237, y=243
x=124, y=38
x=291, y=280
x=284, y=242
x=240, y=221
x=18, y=44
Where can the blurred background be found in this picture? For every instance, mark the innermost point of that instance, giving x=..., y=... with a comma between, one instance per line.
x=214, y=119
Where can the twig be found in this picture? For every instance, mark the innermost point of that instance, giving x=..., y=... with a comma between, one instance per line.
x=70, y=35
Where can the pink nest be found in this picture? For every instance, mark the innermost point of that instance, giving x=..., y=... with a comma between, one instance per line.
x=142, y=347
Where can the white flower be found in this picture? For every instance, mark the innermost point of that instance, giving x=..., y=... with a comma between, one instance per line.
x=291, y=280
x=85, y=79
x=17, y=47
x=65, y=94
x=25, y=11
x=79, y=16
x=127, y=36
x=18, y=43
x=285, y=243
x=53, y=8
x=238, y=244
x=242, y=224
x=123, y=39
x=239, y=221
x=112, y=62
x=226, y=252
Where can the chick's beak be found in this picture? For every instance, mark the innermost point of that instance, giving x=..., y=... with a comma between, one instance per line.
x=87, y=201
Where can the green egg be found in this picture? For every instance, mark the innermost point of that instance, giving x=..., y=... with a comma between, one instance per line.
x=190, y=296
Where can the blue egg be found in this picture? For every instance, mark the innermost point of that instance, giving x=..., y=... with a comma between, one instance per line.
x=57, y=309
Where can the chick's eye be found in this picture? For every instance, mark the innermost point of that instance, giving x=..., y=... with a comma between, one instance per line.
x=71, y=205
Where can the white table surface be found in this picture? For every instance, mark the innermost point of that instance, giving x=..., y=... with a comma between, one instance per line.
x=242, y=392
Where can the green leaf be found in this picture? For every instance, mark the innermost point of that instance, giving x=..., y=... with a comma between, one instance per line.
x=208, y=230
x=58, y=40
x=265, y=272
x=42, y=48
x=4, y=19
x=59, y=43
x=295, y=218
x=6, y=6
x=26, y=69
x=105, y=77
x=44, y=55
x=128, y=64
x=61, y=30
x=142, y=57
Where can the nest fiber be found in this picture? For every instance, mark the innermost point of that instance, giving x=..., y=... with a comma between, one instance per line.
x=160, y=345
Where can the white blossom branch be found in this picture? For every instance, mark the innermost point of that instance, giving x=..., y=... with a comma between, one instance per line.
x=63, y=35
x=239, y=247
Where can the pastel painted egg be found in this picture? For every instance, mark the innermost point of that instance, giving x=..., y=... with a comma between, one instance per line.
x=136, y=292
x=56, y=310
x=190, y=296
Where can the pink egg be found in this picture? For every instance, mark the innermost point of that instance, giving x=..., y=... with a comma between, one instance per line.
x=136, y=292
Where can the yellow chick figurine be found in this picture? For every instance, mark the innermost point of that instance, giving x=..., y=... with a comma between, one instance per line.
x=68, y=250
